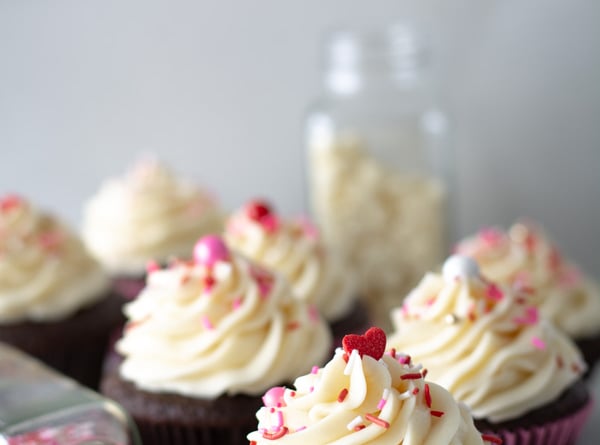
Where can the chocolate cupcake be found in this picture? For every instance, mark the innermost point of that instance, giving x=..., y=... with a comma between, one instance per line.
x=294, y=248
x=205, y=338
x=146, y=217
x=490, y=348
x=525, y=258
x=363, y=396
x=55, y=299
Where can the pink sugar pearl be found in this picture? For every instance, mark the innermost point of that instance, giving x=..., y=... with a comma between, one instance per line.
x=274, y=397
x=209, y=250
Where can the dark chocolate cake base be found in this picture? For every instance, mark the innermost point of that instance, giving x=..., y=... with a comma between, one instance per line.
x=129, y=287
x=556, y=423
x=75, y=346
x=355, y=322
x=166, y=418
x=590, y=349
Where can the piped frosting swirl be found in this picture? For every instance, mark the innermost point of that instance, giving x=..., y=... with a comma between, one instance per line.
x=487, y=345
x=219, y=324
x=45, y=272
x=524, y=257
x=294, y=248
x=147, y=214
x=360, y=399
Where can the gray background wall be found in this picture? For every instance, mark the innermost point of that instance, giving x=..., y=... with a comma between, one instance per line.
x=218, y=89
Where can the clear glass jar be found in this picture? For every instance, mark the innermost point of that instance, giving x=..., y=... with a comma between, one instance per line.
x=379, y=165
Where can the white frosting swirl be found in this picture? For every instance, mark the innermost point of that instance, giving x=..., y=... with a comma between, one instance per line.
x=379, y=407
x=45, y=272
x=232, y=329
x=148, y=214
x=294, y=248
x=486, y=345
x=525, y=257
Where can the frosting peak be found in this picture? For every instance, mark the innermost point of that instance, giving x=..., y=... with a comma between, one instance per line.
x=524, y=257
x=293, y=248
x=205, y=328
x=147, y=214
x=486, y=344
x=358, y=399
x=45, y=272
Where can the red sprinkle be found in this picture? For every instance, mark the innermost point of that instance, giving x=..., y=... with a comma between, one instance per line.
x=9, y=202
x=359, y=427
x=404, y=360
x=415, y=391
x=436, y=413
x=393, y=352
x=276, y=435
x=576, y=368
x=559, y=361
x=257, y=209
x=411, y=376
x=424, y=372
x=377, y=421
x=293, y=325
x=342, y=395
x=209, y=282
x=427, y=396
x=152, y=266
x=346, y=357
x=491, y=438
x=253, y=442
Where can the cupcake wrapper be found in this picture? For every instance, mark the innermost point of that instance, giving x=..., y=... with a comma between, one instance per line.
x=564, y=431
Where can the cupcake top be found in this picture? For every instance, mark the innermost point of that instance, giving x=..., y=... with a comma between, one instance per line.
x=45, y=272
x=294, y=248
x=147, y=214
x=484, y=343
x=218, y=324
x=363, y=396
x=524, y=257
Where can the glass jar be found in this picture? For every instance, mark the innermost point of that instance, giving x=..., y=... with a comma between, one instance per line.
x=379, y=165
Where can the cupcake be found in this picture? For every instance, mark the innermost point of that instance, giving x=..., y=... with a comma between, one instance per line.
x=294, y=248
x=204, y=339
x=148, y=215
x=524, y=257
x=55, y=299
x=365, y=396
x=488, y=346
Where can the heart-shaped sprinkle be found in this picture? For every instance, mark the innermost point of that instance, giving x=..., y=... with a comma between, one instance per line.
x=372, y=343
x=209, y=250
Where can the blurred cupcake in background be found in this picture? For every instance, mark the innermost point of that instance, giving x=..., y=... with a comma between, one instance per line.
x=147, y=216
x=489, y=346
x=205, y=339
x=525, y=258
x=294, y=248
x=55, y=299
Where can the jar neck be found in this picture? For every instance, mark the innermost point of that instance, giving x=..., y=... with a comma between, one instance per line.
x=374, y=61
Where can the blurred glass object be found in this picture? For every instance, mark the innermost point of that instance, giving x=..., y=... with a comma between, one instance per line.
x=379, y=163
x=39, y=406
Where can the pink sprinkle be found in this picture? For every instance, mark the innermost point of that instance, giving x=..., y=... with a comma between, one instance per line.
x=237, y=303
x=570, y=277
x=152, y=266
x=430, y=301
x=279, y=419
x=381, y=404
x=404, y=359
x=308, y=228
x=538, y=343
x=313, y=313
x=531, y=317
x=207, y=323
x=494, y=292
x=50, y=240
x=314, y=370
x=270, y=223
x=311, y=389
x=301, y=428
x=491, y=236
x=9, y=202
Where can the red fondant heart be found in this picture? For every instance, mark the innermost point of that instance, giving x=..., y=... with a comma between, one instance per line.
x=372, y=343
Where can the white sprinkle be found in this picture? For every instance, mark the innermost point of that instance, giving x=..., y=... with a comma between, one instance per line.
x=404, y=395
x=354, y=423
